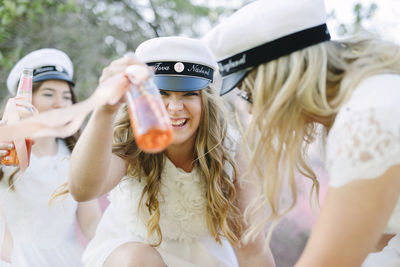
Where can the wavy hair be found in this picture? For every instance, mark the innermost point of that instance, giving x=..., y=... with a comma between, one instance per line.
x=69, y=141
x=291, y=96
x=211, y=156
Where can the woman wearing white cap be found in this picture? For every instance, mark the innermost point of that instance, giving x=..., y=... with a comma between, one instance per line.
x=296, y=80
x=177, y=207
x=43, y=234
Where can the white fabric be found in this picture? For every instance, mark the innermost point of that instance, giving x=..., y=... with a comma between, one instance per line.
x=2, y=235
x=186, y=239
x=44, y=236
x=388, y=257
x=364, y=141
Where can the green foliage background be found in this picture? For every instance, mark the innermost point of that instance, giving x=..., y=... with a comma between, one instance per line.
x=91, y=32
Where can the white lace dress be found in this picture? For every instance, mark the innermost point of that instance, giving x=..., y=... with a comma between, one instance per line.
x=186, y=239
x=364, y=142
x=44, y=236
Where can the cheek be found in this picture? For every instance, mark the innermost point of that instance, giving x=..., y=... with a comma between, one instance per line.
x=67, y=103
x=197, y=113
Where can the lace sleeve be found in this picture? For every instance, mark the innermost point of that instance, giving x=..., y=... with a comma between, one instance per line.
x=363, y=144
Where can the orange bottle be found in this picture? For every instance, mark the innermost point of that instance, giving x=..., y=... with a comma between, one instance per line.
x=24, y=93
x=149, y=119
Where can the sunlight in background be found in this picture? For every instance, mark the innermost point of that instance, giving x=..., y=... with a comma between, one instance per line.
x=385, y=20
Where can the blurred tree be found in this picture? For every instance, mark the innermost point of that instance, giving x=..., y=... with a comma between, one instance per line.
x=362, y=13
x=93, y=32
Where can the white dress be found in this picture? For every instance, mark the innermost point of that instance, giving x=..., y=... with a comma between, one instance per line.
x=186, y=239
x=44, y=236
x=364, y=142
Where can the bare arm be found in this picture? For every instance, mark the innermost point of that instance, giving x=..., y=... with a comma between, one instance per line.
x=88, y=215
x=94, y=170
x=256, y=253
x=351, y=222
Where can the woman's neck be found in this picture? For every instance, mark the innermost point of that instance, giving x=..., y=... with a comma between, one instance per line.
x=182, y=156
x=45, y=147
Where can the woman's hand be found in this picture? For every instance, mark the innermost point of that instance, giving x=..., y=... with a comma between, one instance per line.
x=5, y=147
x=118, y=76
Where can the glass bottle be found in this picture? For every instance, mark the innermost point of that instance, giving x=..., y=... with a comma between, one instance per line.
x=24, y=94
x=149, y=119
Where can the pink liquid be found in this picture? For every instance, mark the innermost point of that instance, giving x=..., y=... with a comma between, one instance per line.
x=12, y=157
x=151, y=125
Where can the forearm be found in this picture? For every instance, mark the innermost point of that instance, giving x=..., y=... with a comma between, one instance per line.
x=90, y=159
x=255, y=254
x=88, y=216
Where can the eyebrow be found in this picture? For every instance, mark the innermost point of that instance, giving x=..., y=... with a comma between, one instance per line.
x=53, y=90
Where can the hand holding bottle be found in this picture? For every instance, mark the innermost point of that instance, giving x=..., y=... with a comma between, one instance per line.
x=17, y=108
x=149, y=119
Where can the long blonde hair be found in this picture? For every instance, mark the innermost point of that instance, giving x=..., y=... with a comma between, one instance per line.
x=290, y=96
x=211, y=154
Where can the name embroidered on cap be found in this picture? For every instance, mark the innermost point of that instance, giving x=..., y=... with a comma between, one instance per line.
x=181, y=64
x=160, y=67
x=182, y=68
x=262, y=31
x=225, y=68
x=199, y=69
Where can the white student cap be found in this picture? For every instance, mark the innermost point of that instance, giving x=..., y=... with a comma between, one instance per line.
x=263, y=31
x=47, y=64
x=180, y=63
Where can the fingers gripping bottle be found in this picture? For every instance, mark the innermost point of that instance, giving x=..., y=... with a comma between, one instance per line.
x=24, y=94
x=149, y=118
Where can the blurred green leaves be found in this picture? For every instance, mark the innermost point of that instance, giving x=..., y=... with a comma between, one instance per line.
x=93, y=32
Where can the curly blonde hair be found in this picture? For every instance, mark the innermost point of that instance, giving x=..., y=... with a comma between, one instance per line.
x=291, y=96
x=211, y=153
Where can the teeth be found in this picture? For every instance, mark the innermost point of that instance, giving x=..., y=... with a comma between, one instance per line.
x=177, y=122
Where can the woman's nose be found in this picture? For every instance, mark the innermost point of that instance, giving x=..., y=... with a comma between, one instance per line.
x=175, y=104
x=57, y=102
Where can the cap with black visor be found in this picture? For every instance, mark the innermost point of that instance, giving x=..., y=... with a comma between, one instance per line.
x=263, y=31
x=180, y=64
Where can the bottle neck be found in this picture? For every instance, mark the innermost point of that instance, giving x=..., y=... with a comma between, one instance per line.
x=25, y=88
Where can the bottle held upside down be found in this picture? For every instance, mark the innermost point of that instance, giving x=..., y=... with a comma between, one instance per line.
x=149, y=119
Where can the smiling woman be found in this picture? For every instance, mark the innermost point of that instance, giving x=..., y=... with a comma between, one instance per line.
x=184, y=110
x=178, y=207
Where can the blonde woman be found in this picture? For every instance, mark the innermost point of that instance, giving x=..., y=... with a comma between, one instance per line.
x=295, y=80
x=177, y=207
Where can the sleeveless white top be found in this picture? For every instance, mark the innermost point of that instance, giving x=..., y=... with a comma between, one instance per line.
x=364, y=143
x=186, y=239
x=44, y=236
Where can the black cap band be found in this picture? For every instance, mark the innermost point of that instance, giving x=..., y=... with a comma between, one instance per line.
x=44, y=69
x=274, y=49
x=51, y=72
x=183, y=69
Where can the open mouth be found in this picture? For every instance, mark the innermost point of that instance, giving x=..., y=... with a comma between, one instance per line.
x=179, y=122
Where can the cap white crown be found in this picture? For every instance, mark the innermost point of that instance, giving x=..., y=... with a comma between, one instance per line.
x=175, y=48
x=263, y=21
x=36, y=59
